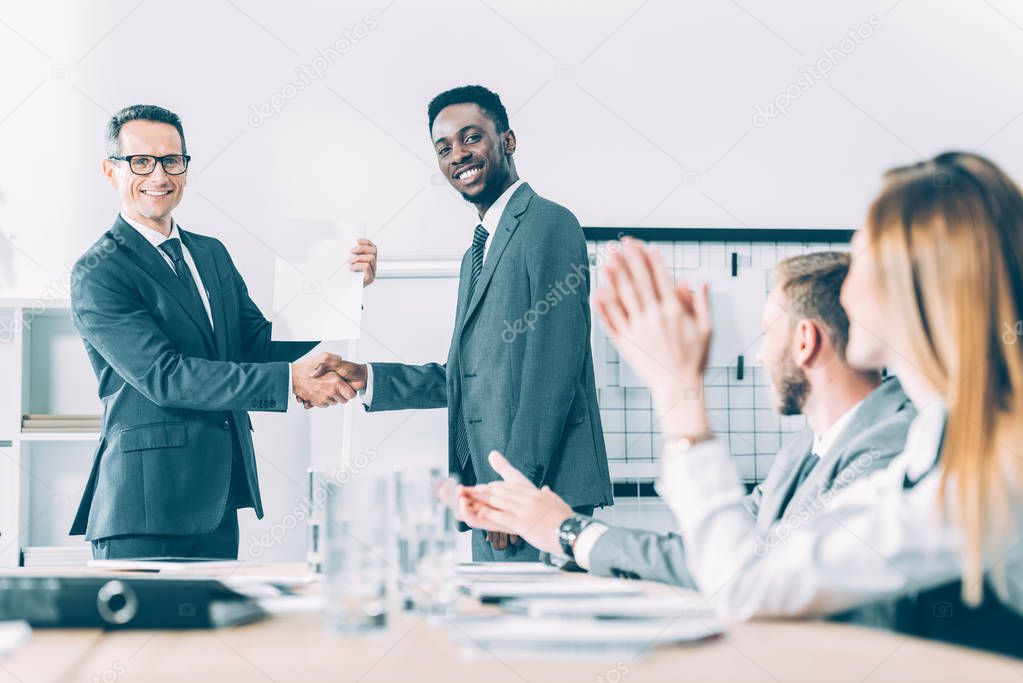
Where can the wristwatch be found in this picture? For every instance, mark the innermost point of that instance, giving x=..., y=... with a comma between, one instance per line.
x=569, y=531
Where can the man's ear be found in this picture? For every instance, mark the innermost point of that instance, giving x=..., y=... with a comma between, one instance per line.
x=110, y=172
x=509, y=142
x=806, y=343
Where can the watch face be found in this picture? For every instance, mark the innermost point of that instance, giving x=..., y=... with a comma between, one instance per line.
x=569, y=532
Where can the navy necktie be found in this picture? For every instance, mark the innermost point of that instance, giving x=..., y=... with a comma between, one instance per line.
x=479, y=240
x=172, y=248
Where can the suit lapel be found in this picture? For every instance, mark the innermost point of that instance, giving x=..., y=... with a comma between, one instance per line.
x=210, y=277
x=464, y=273
x=505, y=229
x=876, y=403
x=776, y=496
x=152, y=263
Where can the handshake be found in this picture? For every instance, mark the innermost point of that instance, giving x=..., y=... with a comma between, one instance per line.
x=325, y=379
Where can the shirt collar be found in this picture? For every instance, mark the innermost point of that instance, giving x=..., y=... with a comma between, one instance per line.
x=492, y=218
x=154, y=237
x=823, y=442
x=923, y=442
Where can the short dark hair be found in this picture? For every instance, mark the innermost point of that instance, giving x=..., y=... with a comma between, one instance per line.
x=140, y=112
x=487, y=100
x=811, y=285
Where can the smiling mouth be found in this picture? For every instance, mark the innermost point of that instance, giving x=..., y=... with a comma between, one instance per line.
x=155, y=193
x=468, y=175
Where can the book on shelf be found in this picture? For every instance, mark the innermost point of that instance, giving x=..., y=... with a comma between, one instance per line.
x=60, y=423
x=56, y=556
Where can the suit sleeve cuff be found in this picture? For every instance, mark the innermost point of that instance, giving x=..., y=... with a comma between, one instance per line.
x=584, y=544
x=367, y=393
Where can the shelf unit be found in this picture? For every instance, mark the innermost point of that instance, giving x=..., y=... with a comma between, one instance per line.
x=42, y=474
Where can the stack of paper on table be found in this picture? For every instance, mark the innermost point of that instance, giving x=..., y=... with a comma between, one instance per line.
x=528, y=636
x=553, y=587
x=686, y=604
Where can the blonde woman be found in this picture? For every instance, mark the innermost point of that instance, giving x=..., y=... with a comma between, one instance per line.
x=935, y=285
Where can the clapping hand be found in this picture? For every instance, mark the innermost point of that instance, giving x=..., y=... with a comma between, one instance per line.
x=663, y=331
x=514, y=506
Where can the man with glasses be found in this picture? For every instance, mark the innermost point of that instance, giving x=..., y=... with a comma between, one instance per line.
x=182, y=354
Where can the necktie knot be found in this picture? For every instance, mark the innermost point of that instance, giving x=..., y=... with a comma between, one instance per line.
x=479, y=238
x=172, y=248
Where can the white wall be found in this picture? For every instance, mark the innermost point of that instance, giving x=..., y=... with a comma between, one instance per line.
x=630, y=113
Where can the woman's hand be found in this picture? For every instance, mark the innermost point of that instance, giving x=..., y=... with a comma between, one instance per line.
x=514, y=506
x=663, y=332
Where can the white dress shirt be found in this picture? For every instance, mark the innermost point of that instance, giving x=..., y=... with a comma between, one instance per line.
x=156, y=238
x=491, y=219
x=821, y=444
x=873, y=540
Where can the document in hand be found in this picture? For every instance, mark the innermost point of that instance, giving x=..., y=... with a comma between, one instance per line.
x=316, y=295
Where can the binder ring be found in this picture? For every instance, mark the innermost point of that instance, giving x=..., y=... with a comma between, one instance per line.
x=117, y=602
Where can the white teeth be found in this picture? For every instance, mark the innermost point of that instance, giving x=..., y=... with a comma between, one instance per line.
x=157, y=193
x=471, y=173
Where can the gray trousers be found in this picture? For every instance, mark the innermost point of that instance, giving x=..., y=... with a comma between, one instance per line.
x=221, y=544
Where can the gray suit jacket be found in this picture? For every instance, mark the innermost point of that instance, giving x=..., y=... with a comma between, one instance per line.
x=874, y=436
x=174, y=395
x=519, y=365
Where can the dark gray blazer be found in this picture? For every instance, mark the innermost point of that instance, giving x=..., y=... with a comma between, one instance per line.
x=174, y=396
x=519, y=363
x=874, y=436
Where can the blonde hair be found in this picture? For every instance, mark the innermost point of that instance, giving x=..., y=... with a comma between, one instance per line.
x=947, y=235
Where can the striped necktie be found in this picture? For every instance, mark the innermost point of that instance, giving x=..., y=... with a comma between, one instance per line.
x=479, y=239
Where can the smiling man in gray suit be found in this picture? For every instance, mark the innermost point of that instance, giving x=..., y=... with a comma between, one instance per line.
x=519, y=374
x=857, y=424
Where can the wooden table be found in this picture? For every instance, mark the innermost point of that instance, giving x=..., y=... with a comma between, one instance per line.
x=296, y=648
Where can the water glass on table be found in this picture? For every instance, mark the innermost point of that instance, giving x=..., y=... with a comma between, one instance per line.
x=356, y=541
x=425, y=529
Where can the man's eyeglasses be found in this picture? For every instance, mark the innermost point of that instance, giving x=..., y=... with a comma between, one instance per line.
x=144, y=164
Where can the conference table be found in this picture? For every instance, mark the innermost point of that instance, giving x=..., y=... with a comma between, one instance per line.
x=296, y=647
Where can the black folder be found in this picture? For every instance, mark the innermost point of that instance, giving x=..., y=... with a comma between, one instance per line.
x=118, y=602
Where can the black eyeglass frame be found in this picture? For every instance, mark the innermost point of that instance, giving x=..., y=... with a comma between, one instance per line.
x=161, y=160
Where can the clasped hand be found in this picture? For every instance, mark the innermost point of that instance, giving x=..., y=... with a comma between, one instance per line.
x=326, y=379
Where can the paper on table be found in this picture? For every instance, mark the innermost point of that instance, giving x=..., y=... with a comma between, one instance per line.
x=494, y=591
x=553, y=634
x=686, y=604
x=316, y=295
x=12, y=635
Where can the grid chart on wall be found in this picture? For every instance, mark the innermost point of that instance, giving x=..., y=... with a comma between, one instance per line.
x=737, y=389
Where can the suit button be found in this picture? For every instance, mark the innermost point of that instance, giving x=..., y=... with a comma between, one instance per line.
x=226, y=425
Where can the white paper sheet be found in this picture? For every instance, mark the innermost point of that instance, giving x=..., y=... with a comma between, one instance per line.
x=12, y=635
x=528, y=634
x=316, y=296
